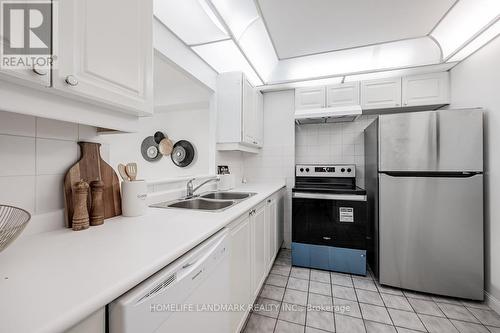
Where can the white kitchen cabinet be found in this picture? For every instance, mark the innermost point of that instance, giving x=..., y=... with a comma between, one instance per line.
x=248, y=110
x=36, y=75
x=259, y=239
x=259, y=118
x=426, y=89
x=342, y=94
x=381, y=94
x=104, y=53
x=239, y=113
x=272, y=228
x=310, y=97
x=240, y=259
x=281, y=196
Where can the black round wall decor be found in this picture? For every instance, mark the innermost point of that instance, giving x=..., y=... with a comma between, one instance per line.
x=182, y=153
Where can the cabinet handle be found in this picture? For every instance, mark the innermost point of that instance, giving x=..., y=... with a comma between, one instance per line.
x=269, y=201
x=397, y=104
x=71, y=80
x=39, y=71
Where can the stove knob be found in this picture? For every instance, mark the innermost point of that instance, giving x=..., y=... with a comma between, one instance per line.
x=301, y=169
x=342, y=170
x=307, y=169
x=348, y=169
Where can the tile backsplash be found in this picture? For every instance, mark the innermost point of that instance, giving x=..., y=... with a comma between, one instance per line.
x=35, y=154
x=341, y=143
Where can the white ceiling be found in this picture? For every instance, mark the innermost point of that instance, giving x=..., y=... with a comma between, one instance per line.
x=328, y=39
x=302, y=27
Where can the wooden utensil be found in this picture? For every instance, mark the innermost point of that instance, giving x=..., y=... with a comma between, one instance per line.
x=92, y=167
x=97, y=206
x=166, y=145
x=131, y=170
x=80, y=219
x=122, y=172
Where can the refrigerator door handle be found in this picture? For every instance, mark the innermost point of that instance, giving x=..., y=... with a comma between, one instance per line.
x=431, y=174
x=437, y=143
x=433, y=140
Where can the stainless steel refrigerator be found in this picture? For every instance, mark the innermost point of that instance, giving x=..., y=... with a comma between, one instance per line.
x=424, y=177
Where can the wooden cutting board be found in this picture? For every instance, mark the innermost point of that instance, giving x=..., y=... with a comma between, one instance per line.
x=92, y=167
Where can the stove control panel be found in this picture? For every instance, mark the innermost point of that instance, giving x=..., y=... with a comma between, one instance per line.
x=331, y=170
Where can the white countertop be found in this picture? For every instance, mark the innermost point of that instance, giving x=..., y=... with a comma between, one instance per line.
x=51, y=281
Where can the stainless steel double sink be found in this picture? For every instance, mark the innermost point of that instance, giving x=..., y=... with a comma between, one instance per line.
x=211, y=201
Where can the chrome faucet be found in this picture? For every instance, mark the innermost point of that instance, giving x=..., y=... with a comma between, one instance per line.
x=190, y=189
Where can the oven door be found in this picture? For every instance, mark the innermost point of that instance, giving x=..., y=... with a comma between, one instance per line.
x=329, y=219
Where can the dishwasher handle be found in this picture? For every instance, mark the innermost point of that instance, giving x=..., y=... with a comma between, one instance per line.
x=197, y=264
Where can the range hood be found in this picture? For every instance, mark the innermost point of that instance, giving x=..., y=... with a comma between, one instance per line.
x=337, y=114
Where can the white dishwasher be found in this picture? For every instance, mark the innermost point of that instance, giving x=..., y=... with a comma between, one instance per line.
x=185, y=296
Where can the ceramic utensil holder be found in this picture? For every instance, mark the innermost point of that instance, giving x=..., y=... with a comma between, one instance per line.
x=226, y=182
x=134, y=194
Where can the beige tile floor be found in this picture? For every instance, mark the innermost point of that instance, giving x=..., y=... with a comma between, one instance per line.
x=304, y=300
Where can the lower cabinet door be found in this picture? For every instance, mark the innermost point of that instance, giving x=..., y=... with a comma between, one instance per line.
x=259, y=239
x=241, y=284
x=335, y=259
x=350, y=261
x=272, y=225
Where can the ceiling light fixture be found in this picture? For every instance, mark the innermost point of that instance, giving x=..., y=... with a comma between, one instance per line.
x=406, y=53
x=486, y=36
x=237, y=14
x=225, y=56
x=206, y=8
x=399, y=72
x=201, y=27
x=463, y=22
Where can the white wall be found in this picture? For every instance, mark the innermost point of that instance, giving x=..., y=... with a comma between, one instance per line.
x=191, y=125
x=35, y=154
x=339, y=143
x=476, y=82
x=277, y=158
x=235, y=161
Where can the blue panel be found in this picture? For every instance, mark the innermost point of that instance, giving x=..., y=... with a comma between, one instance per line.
x=300, y=255
x=348, y=260
x=320, y=256
x=329, y=258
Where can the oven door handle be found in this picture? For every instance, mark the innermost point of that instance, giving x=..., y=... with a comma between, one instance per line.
x=326, y=196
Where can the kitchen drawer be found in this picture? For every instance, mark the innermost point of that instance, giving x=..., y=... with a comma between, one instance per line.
x=336, y=259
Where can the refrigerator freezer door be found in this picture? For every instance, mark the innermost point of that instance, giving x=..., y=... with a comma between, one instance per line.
x=431, y=234
x=449, y=140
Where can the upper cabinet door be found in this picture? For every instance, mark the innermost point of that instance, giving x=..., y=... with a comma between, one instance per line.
x=381, y=94
x=248, y=113
x=310, y=98
x=36, y=75
x=259, y=118
x=342, y=94
x=426, y=89
x=105, y=52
